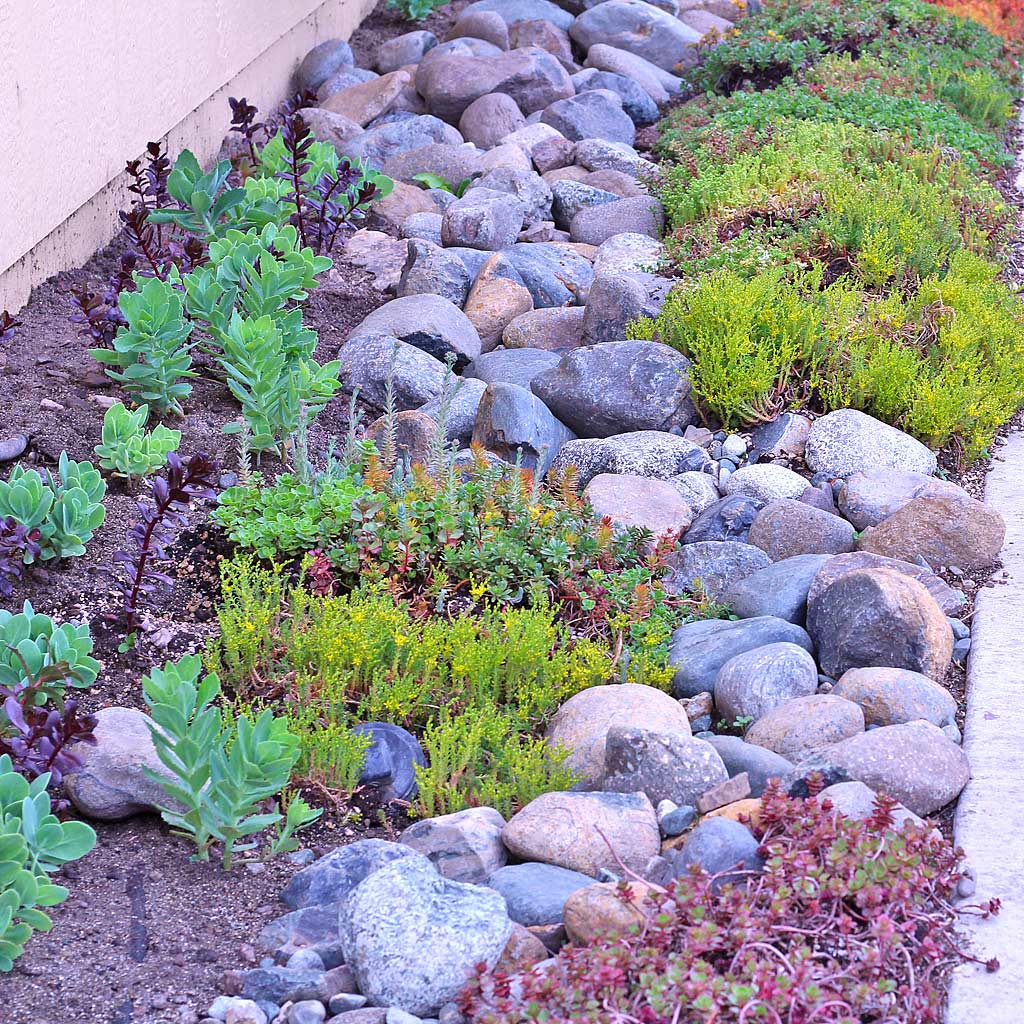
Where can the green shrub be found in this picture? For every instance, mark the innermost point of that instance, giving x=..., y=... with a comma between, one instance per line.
x=127, y=448
x=65, y=508
x=224, y=769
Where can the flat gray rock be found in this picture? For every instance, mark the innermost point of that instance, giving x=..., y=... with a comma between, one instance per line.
x=848, y=441
x=379, y=143
x=432, y=270
x=518, y=366
x=596, y=114
x=535, y=894
x=646, y=453
x=596, y=224
x=659, y=84
x=713, y=566
x=636, y=103
x=755, y=682
x=779, y=589
x=727, y=519
x=555, y=275
x=365, y=362
x=759, y=763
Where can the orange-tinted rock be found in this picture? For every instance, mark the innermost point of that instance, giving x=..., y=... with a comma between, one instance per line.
x=601, y=910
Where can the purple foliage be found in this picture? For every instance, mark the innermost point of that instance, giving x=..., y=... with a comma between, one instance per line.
x=7, y=325
x=16, y=541
x=160, y=517
x=243, y=121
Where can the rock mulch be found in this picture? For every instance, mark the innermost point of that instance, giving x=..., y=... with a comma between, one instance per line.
x=829, y=538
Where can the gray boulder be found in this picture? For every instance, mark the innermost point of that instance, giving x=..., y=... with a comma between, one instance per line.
x=483, y=219
x=597, y=114
x=893, y=696
x=641, y=215
x=520, y=366
x=751, y=684
x=525, y=10
x=803, y=725
x=555, y=275
x=645, y=453
x=766, y=482
x=627, y=253
x=787, y=528
x=413, y=938
x=659, y=84
x=779, y=589
x=405, y=49
x=698, y=489
x=325, y=59
x=759, y=763
x=848, y=441
x=714, y=566
x=535, y=894
x=569, y=197
x=869, y=497
x=513, y=423
x=554, y=329
x=699, y=649
x=664, y=766
x=365, y=362
x=380, y=142
x=721, y=847
x=487, y=120
x=453, y=163
x=465, y=846
x=727, y=519
x=431, y=270
x=423, y=226
x=641, y=29
x=619, y=387
x=428, y=322
x=615, y=302
x=462, y=410
x=636, y=103
x=528, y=187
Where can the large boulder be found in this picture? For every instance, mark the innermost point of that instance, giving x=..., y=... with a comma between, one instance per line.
x=766, y=482
x=713, y=566
x=553, y=329
x=699, y=649
x=333, y=877
x=664, y=766
x=942, y=530
x=380, y=142
x=639, y=215
x=580, y=831
x=511, y=366
x=639, y=501
x=787, y=528
x=428, y=322
x=869, y=497
x=760, y=764
x=948, y=599
x=113, y=781
x=556, y=275
x=799, y=727
x=413, y=938
x=591, y=115
x=659, y=84
x=453, y=163
x=641, y=29
x=533, y=78
x=893, y=696
x=483, y=219
x=408, y=48
x=779, y=589
x=728, y=519
x=581, y=725
x=649, y=453
x=535, y=894
x=755, y=682
x=878, y=617
x=465, y=846
x=848, y=441
x=462, y=410
x=914, y=763
x=514, y=424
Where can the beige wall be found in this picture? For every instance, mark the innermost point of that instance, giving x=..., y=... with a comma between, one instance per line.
x=85, y=84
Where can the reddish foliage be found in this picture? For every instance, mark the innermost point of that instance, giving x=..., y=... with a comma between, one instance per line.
x=849, y=923
x=1003, y=16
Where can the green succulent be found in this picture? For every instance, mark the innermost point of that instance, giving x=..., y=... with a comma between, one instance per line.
x=33, y=844
x=127, y=448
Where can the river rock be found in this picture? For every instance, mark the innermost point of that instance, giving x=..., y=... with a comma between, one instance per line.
x=581, y=724
x=414, y=436
x=325, y=59
x=787, y=528
x=482, y=219
x=640, y=215
x=453, y=163
x=332, y=877
x=425, y=227
x=552, y=329
x=112, y=782
x=720, y=847
x=766, y=482
x=782, y=438
x=848, y=441
x=727, y=519
x=641, y=29
x=487, y=120
x=914, y=763
x=366, y=101
x=636, y=103
x=699, y=649
x=878, y=617
x=493, y=303
x=532, y=77
x=528, y=187
x=659, y=84
x=713, y=566
x=535, y=894
x=408, y=48
x=751, y=684
x=556, y=275
x=868, y=498
x=511, y=366
x=588, y=115
x=758, y=763
x=428, y=322
x=328, y=126
x=779, y=589
x=803, y=725
x=525, y=10
x=636, y=501
x=465, y=846
x=857, y=801
x=893, y=696
x=431, y=270
x=569, y=197
x=413, y=937
x=942, y=530
x=600, y=910
x=394, y=753
x=512, y=422
x=619, y=387
x=544, y=34
x=379, y=143
x=487, y=25
x=664, y=766
x=462, y=410
x=566, y=829
x=649, y=453
x=698, y=489
x=613, y=304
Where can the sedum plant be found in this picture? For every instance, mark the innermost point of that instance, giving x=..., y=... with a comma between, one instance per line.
x=33, y=844
x=224, y=768
x=127, y=448
x=31, y=642
x=65, y=509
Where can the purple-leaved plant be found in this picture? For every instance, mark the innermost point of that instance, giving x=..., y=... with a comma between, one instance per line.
x=16, y=541
x=160, y=517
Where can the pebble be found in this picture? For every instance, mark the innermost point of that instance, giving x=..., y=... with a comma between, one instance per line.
x=677, y=821
x=12, y=447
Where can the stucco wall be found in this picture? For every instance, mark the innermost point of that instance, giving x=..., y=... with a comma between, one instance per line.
x=87, y=83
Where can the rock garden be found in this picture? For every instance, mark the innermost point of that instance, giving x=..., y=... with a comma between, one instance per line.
x=500, y=544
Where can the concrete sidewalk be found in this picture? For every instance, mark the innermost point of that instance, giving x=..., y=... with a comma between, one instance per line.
x=990, y=815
